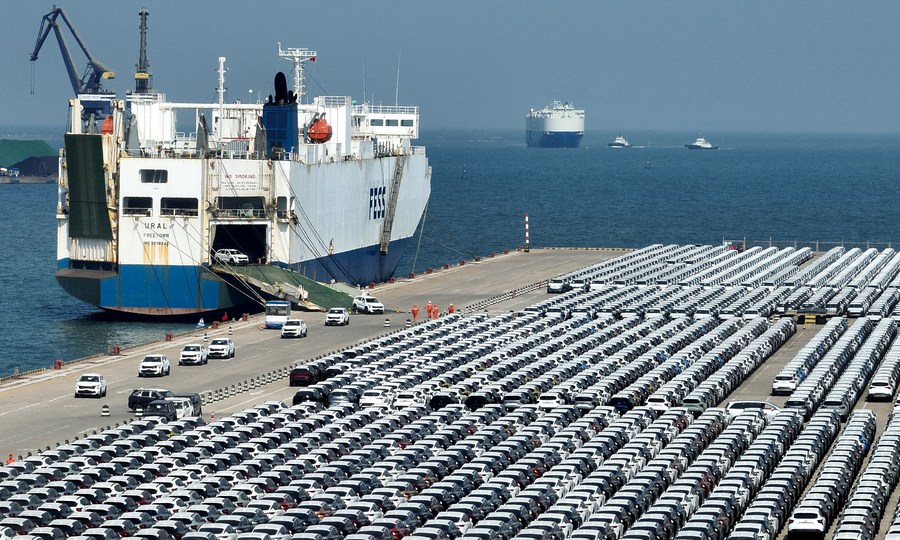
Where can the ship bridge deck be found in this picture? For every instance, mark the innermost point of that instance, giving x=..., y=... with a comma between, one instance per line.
x=270, y=281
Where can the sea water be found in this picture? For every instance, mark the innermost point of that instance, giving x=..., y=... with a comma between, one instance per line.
x=784, y=188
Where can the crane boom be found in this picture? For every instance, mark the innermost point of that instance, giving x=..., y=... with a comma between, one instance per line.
x=90, y=82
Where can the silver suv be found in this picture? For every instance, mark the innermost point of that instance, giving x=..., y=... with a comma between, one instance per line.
x=230, y=256
x=193, y=354
x=367, y=304
x=221, y=348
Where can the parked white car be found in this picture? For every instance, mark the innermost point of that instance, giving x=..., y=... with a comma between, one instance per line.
x=337, y=316
x=230, y=256
x=221, y=348
x=183, y=406
x=193, y=354
x=154, y=365
x=294, y=328
x=365, y=303
x=91, y=384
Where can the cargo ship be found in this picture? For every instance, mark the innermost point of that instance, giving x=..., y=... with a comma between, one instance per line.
x=701, y=144
x=559, y=126
x=330, y=190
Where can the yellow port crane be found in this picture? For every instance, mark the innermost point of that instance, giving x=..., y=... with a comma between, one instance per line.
x=89, y=83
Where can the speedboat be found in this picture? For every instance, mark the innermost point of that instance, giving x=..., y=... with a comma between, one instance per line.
x=620, y=142
x=701, y=144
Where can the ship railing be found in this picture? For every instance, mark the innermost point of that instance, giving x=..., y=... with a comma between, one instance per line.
x=816, y=245
x=240, y=213
x=385, y=109
x=137, y=212
x=179, y=212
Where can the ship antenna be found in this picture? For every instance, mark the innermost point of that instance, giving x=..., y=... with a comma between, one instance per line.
x=221, y=88
x=297, y=56
x=397, y=89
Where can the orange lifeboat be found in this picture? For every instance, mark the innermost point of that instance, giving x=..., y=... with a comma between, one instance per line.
x=319, y=131
x=107, y=127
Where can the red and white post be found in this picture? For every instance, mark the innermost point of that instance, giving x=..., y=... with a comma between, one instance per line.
x=526, y=233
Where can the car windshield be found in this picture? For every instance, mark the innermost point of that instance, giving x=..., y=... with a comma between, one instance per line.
x=219, y=342
x=292, y=323
x=152, y=360
x=192, y=347
x=336, y=311
x=372, y=300
x=90, y=378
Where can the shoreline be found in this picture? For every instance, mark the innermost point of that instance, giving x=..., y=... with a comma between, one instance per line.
x=11, y=180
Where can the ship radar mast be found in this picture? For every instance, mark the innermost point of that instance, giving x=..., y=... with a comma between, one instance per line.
x=298, y=56
x=142, y=78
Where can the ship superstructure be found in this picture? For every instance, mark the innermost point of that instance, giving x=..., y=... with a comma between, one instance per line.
x=330, y=189
x=559, y=126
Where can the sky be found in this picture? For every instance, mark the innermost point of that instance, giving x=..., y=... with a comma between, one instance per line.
x=793, y=66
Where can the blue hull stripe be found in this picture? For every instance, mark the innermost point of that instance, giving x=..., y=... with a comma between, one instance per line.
x=556, y=139
x=184, y=290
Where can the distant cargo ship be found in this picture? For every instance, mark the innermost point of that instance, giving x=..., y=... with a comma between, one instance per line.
x=620, y=142
x=701, y=144
x=558, y=126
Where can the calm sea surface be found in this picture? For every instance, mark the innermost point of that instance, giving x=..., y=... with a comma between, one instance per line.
x=785, y=187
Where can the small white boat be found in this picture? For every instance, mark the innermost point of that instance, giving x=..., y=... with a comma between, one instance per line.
x=701, y=144
x=620, y=142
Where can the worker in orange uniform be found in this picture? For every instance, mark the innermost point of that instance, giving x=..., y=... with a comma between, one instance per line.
x=415, y=312
x=10, y=459
x=435, y=312
x=428, y=308
x=451, y=309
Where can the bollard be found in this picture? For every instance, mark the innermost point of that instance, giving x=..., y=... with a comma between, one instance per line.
x=233, y=391
x=57, y=364
x=115, y=349
x=245, y=316
x=104, y=410
x=387, y=323
x=230, y=331
x=139, y=412
x=215, y=325
x=168, y=336
x=204, y=336
x=408, y=323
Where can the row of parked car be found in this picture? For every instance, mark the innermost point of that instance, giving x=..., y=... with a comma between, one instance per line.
x=796, y=369
x=851, y=282
x=562, y=460
x=825, y=498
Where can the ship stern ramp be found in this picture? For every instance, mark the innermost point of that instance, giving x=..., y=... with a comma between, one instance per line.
x=276, y=282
